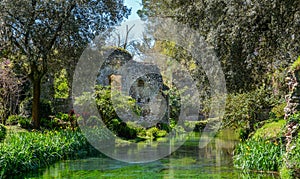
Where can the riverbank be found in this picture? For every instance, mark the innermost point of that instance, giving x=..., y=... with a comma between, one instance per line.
x=27, y=151
x=268, y=150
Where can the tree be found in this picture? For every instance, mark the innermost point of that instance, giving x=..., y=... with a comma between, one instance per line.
x=10, y=88
x=38, y=30
x=253, y=38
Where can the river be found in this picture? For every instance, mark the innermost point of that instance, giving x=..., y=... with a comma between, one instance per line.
x=188, y=161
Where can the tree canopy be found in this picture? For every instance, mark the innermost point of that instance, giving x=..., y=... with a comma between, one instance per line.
x=252, y=38
x=34, y=32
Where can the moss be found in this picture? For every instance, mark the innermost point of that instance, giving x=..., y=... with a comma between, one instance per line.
x=285, y=173
x=270, y=130
x=296, y=64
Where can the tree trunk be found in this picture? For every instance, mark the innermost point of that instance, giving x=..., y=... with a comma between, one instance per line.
x=36, y=102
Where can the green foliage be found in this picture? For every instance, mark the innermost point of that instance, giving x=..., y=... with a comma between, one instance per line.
x=294, y=118
x=52, y=23
x=196, y=126
x=25, y=123
x=174, y=102
x=46, y=108
x=127, y=130
x=105, y=104
x=294, y=155
x=2, y=132
x=26, y=151
x=270, y=130
x=278, y=111
x=61, y=85
x=259, y=154
x=248, y=37
x=14, y=119
x=245, y=110
x=62, y=116
x=154, y=132
x=25, y=107
x=18, y=119
x=286, y=173
x=296, y=64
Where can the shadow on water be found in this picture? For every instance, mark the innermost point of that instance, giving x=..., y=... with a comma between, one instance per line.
x=189, y=161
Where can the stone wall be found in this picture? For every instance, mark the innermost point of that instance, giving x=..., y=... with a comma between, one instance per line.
x=293, y=98
x=140, y=80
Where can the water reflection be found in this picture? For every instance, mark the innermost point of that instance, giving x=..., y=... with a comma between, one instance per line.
x=189, y=161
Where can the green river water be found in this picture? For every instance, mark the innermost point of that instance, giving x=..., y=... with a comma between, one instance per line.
x=189, y=161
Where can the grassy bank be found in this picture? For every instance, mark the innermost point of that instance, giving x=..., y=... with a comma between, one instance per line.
x=25, y=151
x=266, y=151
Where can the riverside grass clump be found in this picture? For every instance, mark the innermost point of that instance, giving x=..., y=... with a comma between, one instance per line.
x=259, y=154
x=25, y=151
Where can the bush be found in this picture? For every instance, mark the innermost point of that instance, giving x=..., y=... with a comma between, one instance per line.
x=259, y=154
x=14, y=119
x=278, y=111
x=128, y=131
x=46, y=108
x=245, y=110
x=154, y=132
x=105, y=105
x=25, y=123
x=2, y=132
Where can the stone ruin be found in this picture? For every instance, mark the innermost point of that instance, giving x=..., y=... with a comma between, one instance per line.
x=140, y=80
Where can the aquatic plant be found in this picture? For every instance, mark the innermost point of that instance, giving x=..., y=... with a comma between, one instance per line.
x=259, y=154
x=24, y=151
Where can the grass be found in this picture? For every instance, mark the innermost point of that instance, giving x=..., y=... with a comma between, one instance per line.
x=264, y=150
x=25, y=151
x=259, y=155
x=294, y=157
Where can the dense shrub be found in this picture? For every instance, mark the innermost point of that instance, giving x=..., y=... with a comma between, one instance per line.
x=2, y=132
x=174, y=102
x=245, y=110
x=25, y=107
x=105, y=105
x=154, y=132
x=18, y=119
x=46, y=108
x=278, y=111
x=61, y=85
x=259, y=154
x=25, y=123
x=14, y=119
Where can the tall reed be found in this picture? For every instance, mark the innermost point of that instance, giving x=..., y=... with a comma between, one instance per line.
x=26, y=151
